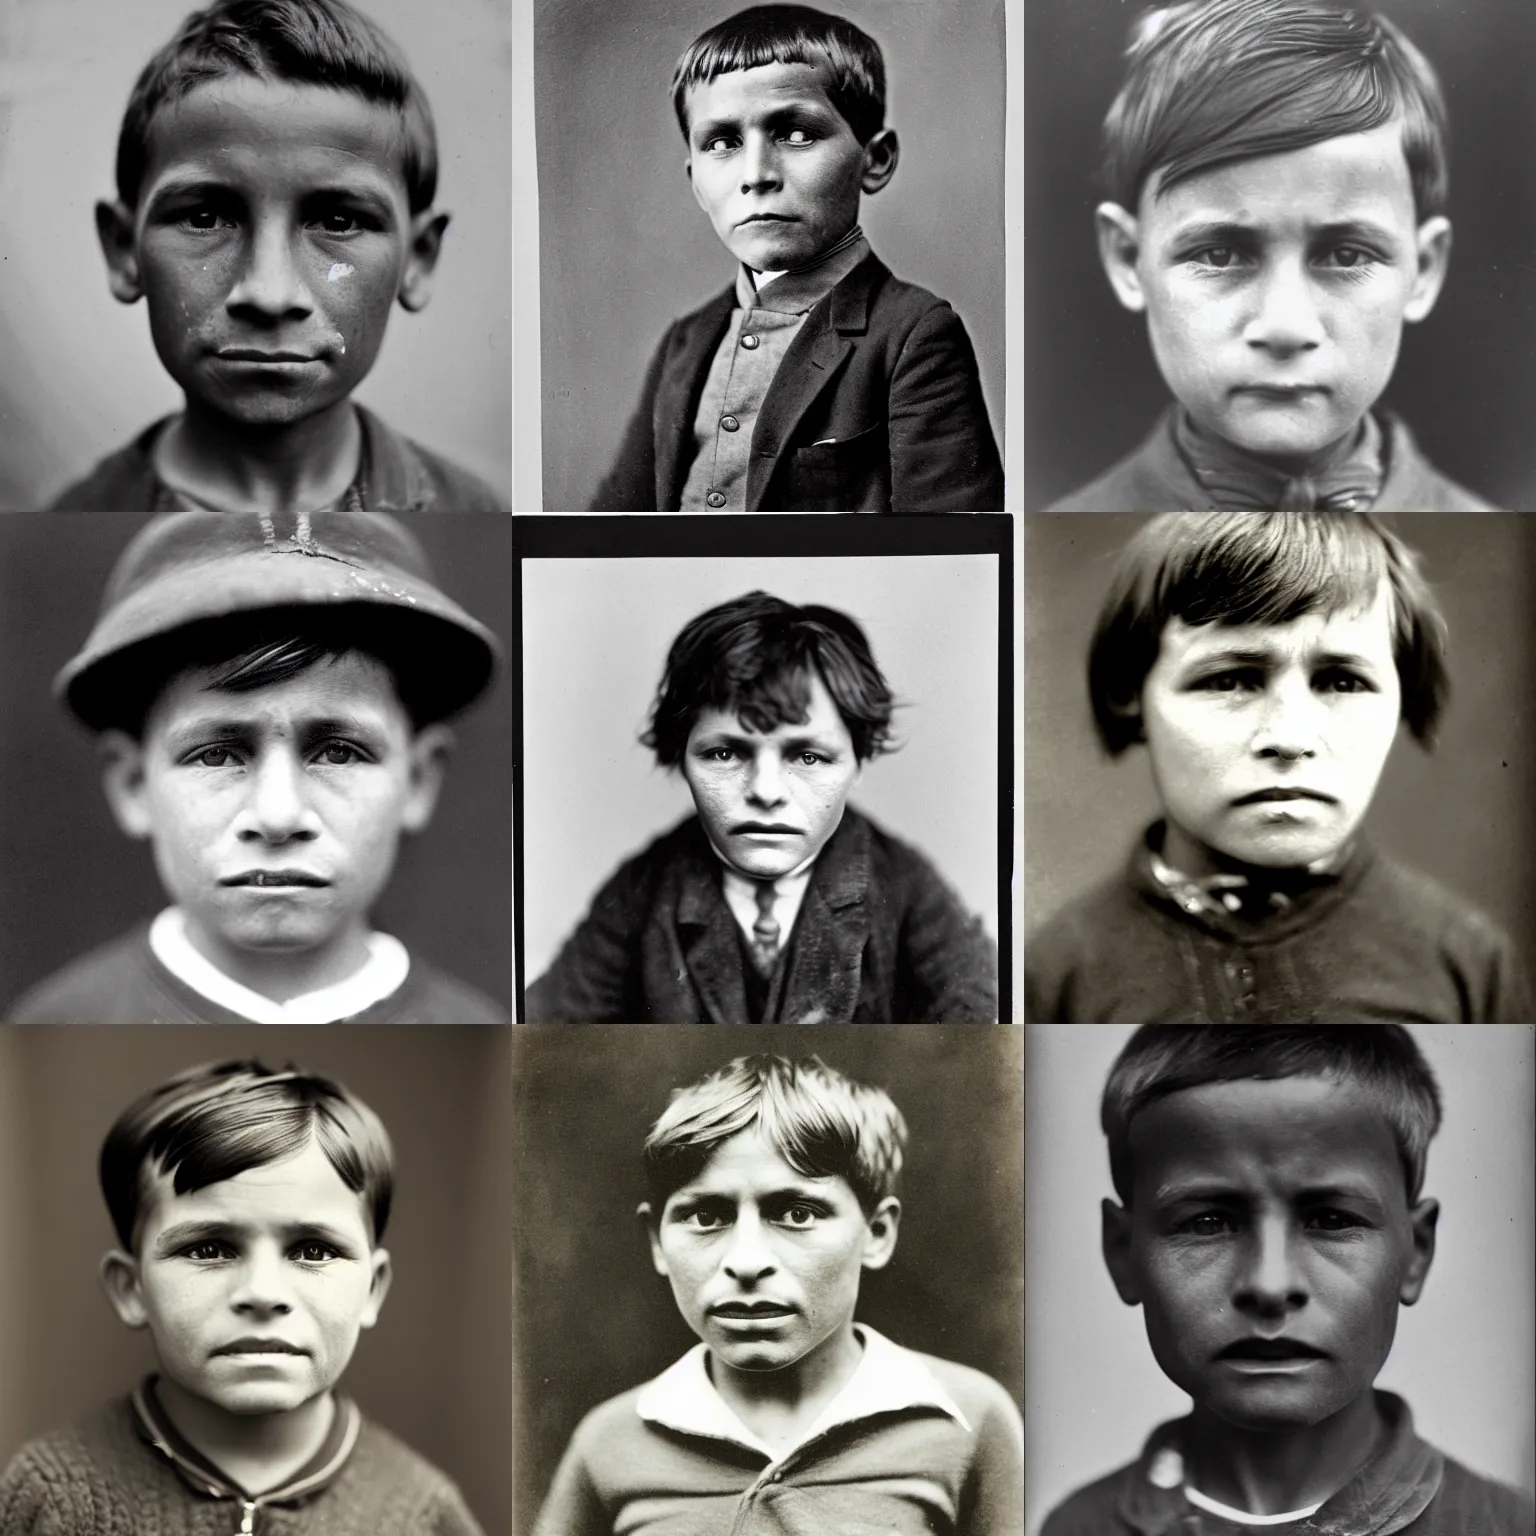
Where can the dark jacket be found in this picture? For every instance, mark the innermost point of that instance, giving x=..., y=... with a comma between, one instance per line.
x=877, y=407
x=1407, y=1486
x=396, y=475
x=1155, y=478
x=1381, y=944
x=879, y=939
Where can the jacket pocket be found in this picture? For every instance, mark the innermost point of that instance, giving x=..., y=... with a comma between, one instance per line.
x=852, y=474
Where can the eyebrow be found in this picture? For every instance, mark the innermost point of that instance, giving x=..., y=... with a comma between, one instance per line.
x=212, y=189
x=690, y=1195
x=232, y=727
x=724, y=738
x=1221, y=231
x=1216, y=1193
x=789, y=107
x=185, y=1234
x=1245, y=656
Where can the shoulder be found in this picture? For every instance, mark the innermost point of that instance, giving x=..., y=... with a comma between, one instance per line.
x=1093, y=1510
x=982, y=1399
x=1419, y=902
x=1414, y=484
x=123, y=481
x=110, y=984
x=396, y=1477
x=902, y=875
x=1469, y=1502
x=681, y=844
x=431, y=996
x=1083, y=939
x=59, y=1470
x=601, y=1438
x=403, y=476
x=1145, y=480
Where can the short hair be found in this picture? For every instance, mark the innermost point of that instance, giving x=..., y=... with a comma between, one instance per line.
x=214, y=1122
x=1259, y=568
x=820, y=1122
x=308, y=42
x=1213, y=81
x=850, y=59
x=1382, y=1060
x=753, y=657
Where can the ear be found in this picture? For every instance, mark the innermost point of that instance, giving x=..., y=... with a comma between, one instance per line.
x=1433, y=257
x=378, y=1289
x=648, y=1219
x=1116, y=1238
x=880, y=157
x=125, y=783
x=119, y=1274
x=1128, y=710
x=1119, y=236
x=693, y=186
x=430, y=752
x=114, y=229
x=880, y=1243
x=421, y=259
x=1424, y=1217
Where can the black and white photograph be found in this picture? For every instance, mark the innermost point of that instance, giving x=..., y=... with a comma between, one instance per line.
x=255, y=769
x=256, y=1279
x=1279, y=1276
x=256, y=255
x=761, y=1281
x=772, y=266
x=765, y=788
x=1278, y=768
x=1280, y=255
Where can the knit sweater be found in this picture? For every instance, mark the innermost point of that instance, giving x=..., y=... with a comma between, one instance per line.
x=1379, y=944
x=103, y=1479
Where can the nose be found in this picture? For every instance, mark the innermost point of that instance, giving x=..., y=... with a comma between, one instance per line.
x=748, y=1259
x=1289, y=726
x=1270, y=1282
x=1286, y=319
x=277, y=809
x=261, y=1285
x=271, y=285
x=766, y=787
x=760, y=164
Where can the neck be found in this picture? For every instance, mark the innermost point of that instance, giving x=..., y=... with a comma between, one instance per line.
x=1291, y=465
x=293, y=467
x=780, y=1404
x=260, y=1451
x=1270, y=1473
x=283, y=975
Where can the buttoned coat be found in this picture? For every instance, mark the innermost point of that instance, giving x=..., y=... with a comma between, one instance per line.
x=876, y=407
x=880, y=938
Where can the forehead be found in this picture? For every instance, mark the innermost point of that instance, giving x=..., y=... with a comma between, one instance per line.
x=276, y=137
x=748, y=93
x=822, y=719
x=749, y=1163
x=1255, y=1137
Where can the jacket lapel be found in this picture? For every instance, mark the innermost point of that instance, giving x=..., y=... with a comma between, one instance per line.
x=827, y=952
x=682, y=378
x=706, y=934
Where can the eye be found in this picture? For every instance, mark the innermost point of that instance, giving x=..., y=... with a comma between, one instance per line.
x=313, y=1251
x=339, y=222
x=810, y=759
x=337, y=754
x=801, y=1216
x=1332, y=1220
x=214, y=757
x=208, y=1252
x=1340, y=680
x=205, y=220
x=1351, y=257
x=718, y=144
x=706, y=1219
x=718, y=754
x=1207, y=1224
x=1234, y=680
x=799, y=138
x=1221, y=257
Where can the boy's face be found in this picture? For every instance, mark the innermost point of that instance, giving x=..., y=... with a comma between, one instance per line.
x=775, y=165
x=765, y=1262
x=770, y=802
x=272, y=234
x=1276, y=288
x=1267, y=740
x=275, y=814
x=253, y=1289
x=1270, y=1243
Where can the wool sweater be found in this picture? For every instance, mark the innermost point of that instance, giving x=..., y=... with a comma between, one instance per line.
x=103, y=1479
x=1378, y=944
x=1406, y=1487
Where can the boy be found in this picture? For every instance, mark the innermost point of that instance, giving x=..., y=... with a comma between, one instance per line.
x=275, y=176
x=250, y=1206
x=775, y=903
x=1277, y=176
x=818, y=382
x=1265, y=660
x=772, y=1185
x=269, y=700
x=1270, y=1224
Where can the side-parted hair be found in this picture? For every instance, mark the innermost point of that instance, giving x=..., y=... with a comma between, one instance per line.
x=1382, y=1060
x=753, y=657
x=1259, y=568
x=308, y=42
x=850, y=59
x=1212, y=81
x=217, y=1121
x=820, y=1122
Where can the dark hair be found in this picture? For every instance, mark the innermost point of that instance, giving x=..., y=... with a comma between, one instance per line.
x=1383, y=1060
x=819, y=1121
x=754, y=657
x=310, y=42
x=217, y=1121
x=791, y=34
x=1259, y=568
x=1212, y=81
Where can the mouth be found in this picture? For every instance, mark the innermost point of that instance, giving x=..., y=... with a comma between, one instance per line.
x=1270, y=796
x=260, y=1347
x=1282, y=392
x=275, y=879
x=767, y=218
x=1281, y=1349
x=764, y=829
x=253, y=355
x=751, y=1311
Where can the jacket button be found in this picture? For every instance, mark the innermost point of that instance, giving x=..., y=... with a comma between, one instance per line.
x=715, y=499
x=729, y=423
x=749, y=342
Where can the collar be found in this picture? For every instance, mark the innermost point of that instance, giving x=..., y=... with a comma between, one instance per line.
x=788, y=894
x=380, y=975
x=1346, y=479
x=203, y=1477
x=1388, y=1493
x=800, y=288
x=887, y=1379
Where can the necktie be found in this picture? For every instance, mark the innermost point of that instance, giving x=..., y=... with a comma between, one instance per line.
x=765, y=931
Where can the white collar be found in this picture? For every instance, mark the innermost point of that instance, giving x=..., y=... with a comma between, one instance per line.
x=887, y=1378
x=380, y=975
x=1241, y=1516
x=788, y=893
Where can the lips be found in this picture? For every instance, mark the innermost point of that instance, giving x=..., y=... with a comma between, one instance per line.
x=1275, y=793
x=274, y=878
x=750, y=1309
x=767, y=218
x=776, y=827
x=1257, y=1348
x=1282, y=391
x=255, y=1346
x=253, y=355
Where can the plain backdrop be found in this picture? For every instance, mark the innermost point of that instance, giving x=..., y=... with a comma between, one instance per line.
x=595, y=639
x=595, y=1319
x=69, y=879
x=1463, y=1355
x=1463, y=813
x=81, y=376
x=625, y=250
x=1463, y=381
x=436, y=1370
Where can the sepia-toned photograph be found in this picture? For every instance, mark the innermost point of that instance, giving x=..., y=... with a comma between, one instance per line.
x=1279, y=1276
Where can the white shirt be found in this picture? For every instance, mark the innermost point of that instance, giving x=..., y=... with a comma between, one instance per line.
x=788, y=893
